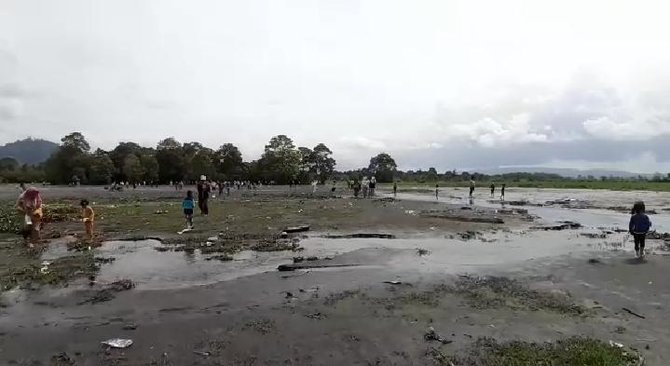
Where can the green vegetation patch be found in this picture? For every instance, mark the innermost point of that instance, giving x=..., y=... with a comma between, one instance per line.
x=567, y=352
x=56, y=272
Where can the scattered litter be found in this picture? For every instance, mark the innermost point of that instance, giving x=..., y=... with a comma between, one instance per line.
x=615, y=344
x=317, y=316
x=62, y=358
x=130, y=327
x=122, y=285
x=118, y=343
x=393, y=282
x=296, y=229
x=184, y=231
x=594, y=261
x=410, y=212
x=202, y=353
x=633, y=313
x=160, y=212
x=431, y=335
x=422, y=252
x=45, y=267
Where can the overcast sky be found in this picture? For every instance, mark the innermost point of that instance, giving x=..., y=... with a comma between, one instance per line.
x=444, y=83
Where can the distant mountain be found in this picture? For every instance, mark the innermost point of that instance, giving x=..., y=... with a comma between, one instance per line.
x=29, y=151
x=566, y=172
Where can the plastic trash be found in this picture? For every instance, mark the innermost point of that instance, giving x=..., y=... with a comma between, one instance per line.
x=615, y=344
x=393, y=282
x=118, y=343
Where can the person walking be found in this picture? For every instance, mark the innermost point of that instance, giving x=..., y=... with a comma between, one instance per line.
x=395, y=189
x=472, y=187
x=493, y=189
x=203, y=195
x=373, y=186
x=366, y=187
x=502, y=192
x=639, y=226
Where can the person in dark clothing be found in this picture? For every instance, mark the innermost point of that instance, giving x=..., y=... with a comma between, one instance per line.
x=395, y=189
x=493, y=190
x=203, y=195
x=639, y=227
x=502, y=192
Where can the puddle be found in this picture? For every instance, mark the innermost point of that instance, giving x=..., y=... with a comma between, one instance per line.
x=150, y=269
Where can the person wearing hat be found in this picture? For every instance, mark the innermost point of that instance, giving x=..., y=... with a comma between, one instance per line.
x=203, y=195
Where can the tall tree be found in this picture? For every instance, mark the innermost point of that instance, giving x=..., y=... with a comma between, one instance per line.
x=119, y=155
x=132, y=169
x=102, y=168
x=323, y=163
x=383, y=167
x=281, y=160
x=169, y=154
x=228, y=159
x=70, y=161
x=150, y=166
x=8, y=164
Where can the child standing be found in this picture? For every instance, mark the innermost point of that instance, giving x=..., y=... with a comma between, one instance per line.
x=89, y=218
x=188, y=205
x=437, y=191
x=493, y=189
x=639, y=227
x=395, y=189
x=502, y=192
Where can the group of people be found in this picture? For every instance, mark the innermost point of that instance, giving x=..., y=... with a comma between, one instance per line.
x=368, y=186
x=30, y=207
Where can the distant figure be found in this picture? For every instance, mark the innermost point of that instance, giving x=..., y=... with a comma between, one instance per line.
x=88, y=218
x=188, y=205
x=356, y=185
x=314, y=183
x=437, y=191
x=366, y=187
x=220, y=185
x=639, y=227
x=472, y=187
x=203, y=195
x=493, y=189
x=373, y=186
x=502, y=192
x=395, y=189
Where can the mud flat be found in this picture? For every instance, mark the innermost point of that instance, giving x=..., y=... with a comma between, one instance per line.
x=372, y=282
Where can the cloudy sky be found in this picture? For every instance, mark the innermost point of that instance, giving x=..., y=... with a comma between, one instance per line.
x=444, y=83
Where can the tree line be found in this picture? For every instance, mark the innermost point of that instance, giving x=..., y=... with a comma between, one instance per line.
x=281, y=163
x=171, y=161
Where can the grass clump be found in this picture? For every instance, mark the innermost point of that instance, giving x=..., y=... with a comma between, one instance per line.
x=567, y=352
x=495, y=292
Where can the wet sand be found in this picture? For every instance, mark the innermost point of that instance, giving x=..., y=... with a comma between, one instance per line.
x=186, y=310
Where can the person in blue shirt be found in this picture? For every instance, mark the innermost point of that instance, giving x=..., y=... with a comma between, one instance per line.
x=639, y=227
x=188, y=205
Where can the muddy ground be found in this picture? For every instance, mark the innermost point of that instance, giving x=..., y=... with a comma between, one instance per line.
x=447, y=282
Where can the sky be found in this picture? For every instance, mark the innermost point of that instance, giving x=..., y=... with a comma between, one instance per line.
x=449, y=84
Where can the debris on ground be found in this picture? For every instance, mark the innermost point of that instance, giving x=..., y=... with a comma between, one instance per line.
x=594, y=261
x=602, y=235
x=317, y=316
x=104, y=260
x=62, y=359
x=296, y=229
x=631, y=312
x=202, y=353
x=421, y=252
x=121, y=285
x=360, y=236
x=393, y=282
x=118, y=343
x=220, y=257
x=130, y=327
x=431, y=335
x=562, y=225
